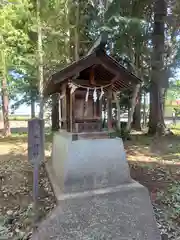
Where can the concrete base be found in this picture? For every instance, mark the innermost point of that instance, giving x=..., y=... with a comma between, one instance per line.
x=97, y=199
x=54, y=180
x=88, y=163
x=119, y=213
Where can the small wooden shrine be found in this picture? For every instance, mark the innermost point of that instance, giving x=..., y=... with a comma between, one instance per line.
x=82, y=87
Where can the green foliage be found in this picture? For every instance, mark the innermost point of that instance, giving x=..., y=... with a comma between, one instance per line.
x=172, y=199
x=128, y=24
x=18, y=118
x=174, y=90
x=173, y=94
x=4, y=230
x=122, y=133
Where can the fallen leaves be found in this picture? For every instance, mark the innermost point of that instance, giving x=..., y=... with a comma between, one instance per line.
x=159, y=171
x=16, y=184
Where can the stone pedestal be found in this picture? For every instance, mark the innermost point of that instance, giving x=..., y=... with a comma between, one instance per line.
x=97, y=197
x=88, y=161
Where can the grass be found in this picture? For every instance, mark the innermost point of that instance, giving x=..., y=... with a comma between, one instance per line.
x=176, y=129
x=19, y=118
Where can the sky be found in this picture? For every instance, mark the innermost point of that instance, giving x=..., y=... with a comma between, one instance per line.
x=24, y=109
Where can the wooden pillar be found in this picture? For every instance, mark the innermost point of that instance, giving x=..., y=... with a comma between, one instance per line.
x=100, y=108
x=64, y=107
x=55, y=112
x=95, y=109
x=71, y=111
x=109, y=108
x=104, y=108
x=68, y=96
x=101, y=111
x=60, y=112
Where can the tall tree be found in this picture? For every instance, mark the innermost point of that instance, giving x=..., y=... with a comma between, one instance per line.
x=136, y=124
x=9, y=43
x=156, y=118
x=131, y=42
x=20, y=54
x=40, y=59
x=4, y=94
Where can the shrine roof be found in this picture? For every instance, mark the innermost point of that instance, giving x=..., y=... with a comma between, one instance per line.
x=106, y=70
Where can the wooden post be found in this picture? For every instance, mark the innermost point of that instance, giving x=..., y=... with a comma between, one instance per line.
x=109, y=108
x=100, y=108
x=64, y=107
x=60, y=114
x=68, y=96
x=92, y=79
x=70, y=111
x=55, y=112
x=95, y=109
x=73, y=110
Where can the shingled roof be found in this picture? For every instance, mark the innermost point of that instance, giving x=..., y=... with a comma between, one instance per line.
x=106, y=69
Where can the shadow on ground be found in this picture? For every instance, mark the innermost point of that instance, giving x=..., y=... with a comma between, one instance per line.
x=145, y=148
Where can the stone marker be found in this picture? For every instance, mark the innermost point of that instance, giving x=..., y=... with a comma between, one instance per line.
x=97, y=198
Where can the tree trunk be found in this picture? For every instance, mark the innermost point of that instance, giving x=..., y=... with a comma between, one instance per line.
x=40, y=62
x=135, y=97
x=164, y=95
x=131, y=110
x=153, y=115
x=144, y=110
x=136, y=124
x=118, y=124
x=5, y=107
x=156, y=116
x=32, y=105
x=55, y=112
x=33, y=109
x=5, y=97
x=69, y=41
x=76, y=33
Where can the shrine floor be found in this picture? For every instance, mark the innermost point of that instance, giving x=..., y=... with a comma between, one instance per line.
x=155, y=164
